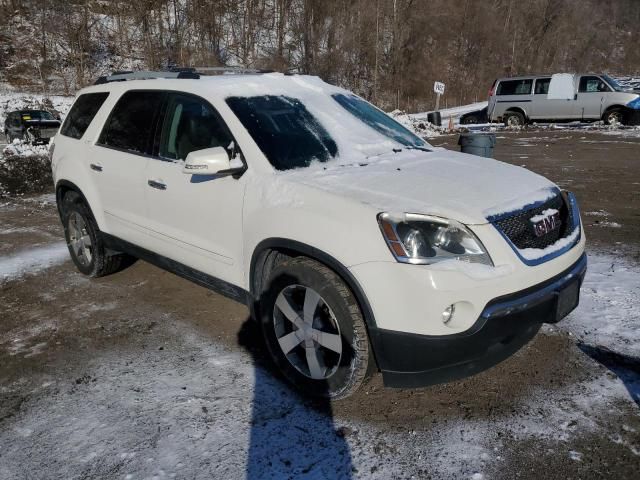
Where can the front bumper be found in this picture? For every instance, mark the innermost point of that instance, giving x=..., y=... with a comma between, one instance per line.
x=506, y=324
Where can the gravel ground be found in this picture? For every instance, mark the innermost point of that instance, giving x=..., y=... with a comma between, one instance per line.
x=144, y=375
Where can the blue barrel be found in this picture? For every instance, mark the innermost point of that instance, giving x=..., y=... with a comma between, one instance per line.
x=477, y=143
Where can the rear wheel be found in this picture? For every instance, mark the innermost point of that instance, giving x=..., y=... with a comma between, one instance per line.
x=514, y=119
x=314, y=329
x=614, y=116
x=85, y=244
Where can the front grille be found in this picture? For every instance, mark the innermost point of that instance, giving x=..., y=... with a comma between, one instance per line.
x=519, y=229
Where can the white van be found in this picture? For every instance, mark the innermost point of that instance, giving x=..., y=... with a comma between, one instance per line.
x=588, y=97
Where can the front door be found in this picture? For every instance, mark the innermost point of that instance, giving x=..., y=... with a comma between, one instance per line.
x=591, y=92
x=193, y=219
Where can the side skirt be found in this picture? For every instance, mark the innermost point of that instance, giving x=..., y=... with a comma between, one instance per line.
x=212, y=283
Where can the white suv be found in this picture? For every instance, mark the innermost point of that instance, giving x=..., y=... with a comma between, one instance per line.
x=357, y=245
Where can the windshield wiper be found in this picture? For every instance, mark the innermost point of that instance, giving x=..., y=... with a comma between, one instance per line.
x=422, y=149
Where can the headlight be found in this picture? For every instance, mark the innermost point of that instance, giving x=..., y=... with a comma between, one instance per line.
x=423, y=239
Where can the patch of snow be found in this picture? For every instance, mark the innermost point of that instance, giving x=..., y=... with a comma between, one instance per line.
x=545, y=214
x=521, y=201
x=454, y=112
x=536, y=253
x=575, y=456
x=24, y=149
x=32, y=261
x=606, y=224
x=608, y=313
x=598, y=213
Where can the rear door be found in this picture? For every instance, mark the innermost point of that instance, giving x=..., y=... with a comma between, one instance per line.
x=514, y=93
x=120, y=161
x=591, y=95
x=194, y=219
x=545, y=108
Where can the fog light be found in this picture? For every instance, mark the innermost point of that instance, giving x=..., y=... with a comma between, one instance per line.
x=447, y=315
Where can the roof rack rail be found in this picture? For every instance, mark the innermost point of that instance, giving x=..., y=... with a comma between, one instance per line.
x=223, y=70
x=144, y=75
x=176, y=72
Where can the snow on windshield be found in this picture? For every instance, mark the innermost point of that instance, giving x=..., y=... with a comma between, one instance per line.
x=355, y=140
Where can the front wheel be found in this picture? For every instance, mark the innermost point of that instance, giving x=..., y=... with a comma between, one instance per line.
x=615, y=116
x=314, y=329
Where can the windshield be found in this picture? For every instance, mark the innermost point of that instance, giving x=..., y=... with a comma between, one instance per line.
x=378, y=120
x=285, y=131
x=37, y=115
x=615, y=85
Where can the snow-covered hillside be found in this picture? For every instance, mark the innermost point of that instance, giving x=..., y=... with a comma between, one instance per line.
x=10, y=101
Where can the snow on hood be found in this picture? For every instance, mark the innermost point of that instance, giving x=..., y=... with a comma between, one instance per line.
x=444, y=183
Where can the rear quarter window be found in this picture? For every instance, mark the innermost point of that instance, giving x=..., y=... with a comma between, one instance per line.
x=82, y=112
x=515, y=87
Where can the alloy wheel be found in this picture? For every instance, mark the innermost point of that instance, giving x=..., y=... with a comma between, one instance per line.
x=307, y=332
x=79, y=239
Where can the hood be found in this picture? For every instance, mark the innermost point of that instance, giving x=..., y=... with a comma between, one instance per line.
x=443, y=183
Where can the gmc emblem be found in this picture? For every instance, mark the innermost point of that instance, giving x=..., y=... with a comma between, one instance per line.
x=545, y=223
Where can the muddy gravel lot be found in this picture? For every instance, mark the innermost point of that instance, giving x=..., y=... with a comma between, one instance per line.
x=144, y=375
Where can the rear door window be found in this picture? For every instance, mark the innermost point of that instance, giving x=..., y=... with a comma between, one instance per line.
x=82, y=113
x=515, y=87
x=542, y=86
x=191, y=124
x=131, y=124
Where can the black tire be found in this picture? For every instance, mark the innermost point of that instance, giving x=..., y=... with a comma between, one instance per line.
x=101, y=261
x=355, y=363
x=514, y=119
x=614, y=115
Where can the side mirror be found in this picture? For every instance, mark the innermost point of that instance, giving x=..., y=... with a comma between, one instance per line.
x=209, y=161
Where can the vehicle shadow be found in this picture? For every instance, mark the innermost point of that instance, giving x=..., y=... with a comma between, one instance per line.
x=290, y=436
x=624, y=367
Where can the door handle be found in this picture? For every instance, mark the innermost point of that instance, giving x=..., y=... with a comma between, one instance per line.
x=96, y=166
x=156, y=184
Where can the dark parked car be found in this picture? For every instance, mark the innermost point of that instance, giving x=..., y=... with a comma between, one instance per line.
x=478, y=116
x=33, y=126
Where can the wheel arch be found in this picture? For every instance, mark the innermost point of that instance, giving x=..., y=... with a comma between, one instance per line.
x=518, y=110
x=623, y=108
x=65, y=186
x=260, y=266
x=292, y=248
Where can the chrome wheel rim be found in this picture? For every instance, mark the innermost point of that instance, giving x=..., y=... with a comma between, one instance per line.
x=614, y=118
x=513, y=121
x=307, y=332
x=79, y=239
